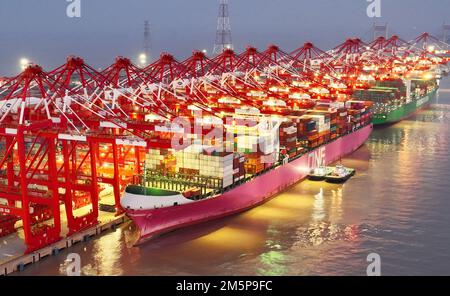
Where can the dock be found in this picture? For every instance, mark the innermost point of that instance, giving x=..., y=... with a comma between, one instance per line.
x=16, y=262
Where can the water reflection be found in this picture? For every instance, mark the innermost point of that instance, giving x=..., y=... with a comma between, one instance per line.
x=318, y=207
x=336, y=205
x=106, y=251
x=273, y=261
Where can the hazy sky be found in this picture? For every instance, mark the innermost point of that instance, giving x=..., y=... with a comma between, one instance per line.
x=40, y=29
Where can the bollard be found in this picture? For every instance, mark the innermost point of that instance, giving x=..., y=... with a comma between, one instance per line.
x=21, y=267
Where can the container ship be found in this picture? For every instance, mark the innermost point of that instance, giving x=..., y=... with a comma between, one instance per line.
x=192, y=185
x=397, y=99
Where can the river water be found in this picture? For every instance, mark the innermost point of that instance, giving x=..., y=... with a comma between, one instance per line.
x=398, y=206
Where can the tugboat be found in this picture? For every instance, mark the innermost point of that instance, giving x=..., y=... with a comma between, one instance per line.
x=340, y=174
x=320, y=173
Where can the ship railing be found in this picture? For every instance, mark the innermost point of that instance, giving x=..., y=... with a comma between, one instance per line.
x=179, y=182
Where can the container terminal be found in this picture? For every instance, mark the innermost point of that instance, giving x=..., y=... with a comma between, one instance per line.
x=178, y=143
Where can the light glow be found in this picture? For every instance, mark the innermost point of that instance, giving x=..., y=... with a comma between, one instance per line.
x=24, y=62
x=143, y=59
x=428, y=76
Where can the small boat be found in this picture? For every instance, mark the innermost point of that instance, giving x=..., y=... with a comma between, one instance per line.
x=320, y=173
x=340, y=174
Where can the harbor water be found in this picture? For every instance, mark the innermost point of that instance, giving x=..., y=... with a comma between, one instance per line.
x=397, y=206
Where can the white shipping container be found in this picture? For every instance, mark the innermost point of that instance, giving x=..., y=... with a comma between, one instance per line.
x=290, y=130
x=338, y=105
x=324, y=127
x=228, y=183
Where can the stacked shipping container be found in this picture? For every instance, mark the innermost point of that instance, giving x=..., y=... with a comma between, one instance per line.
x=255, y=149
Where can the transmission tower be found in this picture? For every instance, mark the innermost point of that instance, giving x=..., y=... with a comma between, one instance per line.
x=223, y=35
x=145, y=56
x=380, y=30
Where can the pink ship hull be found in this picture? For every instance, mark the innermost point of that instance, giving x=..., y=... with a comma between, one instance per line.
x=247, y=195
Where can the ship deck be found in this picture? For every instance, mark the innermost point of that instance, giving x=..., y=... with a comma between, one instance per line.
x=215, y=191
